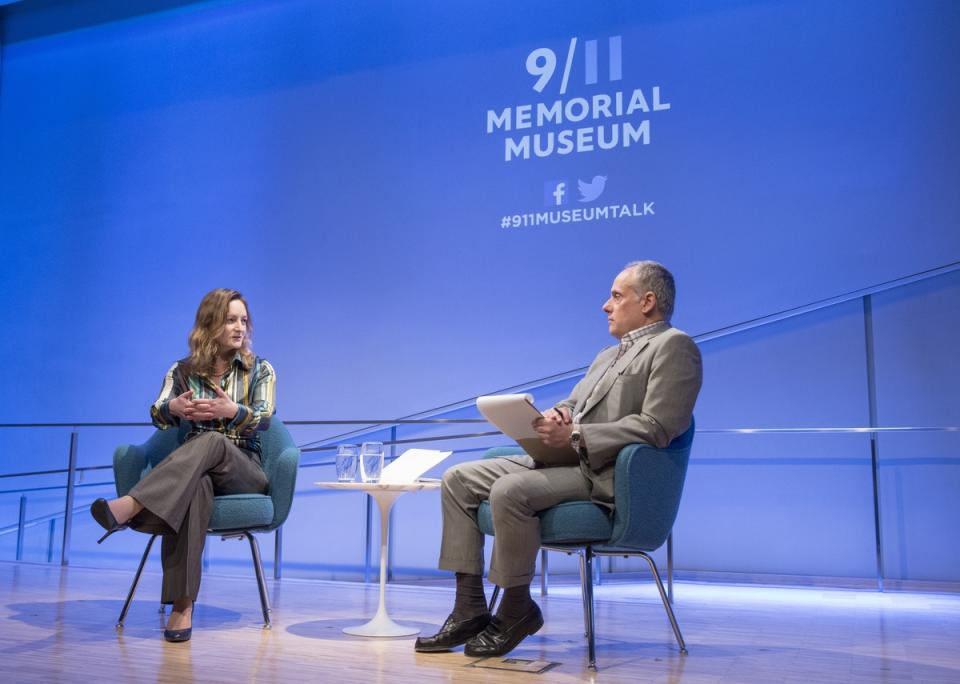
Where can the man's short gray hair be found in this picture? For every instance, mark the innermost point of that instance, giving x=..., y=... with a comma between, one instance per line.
x=650, y=276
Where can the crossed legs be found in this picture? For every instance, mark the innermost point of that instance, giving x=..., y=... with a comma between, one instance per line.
x=175, y=499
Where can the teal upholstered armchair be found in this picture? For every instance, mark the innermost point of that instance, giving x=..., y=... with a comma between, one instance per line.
x=234, y=515
x=648, y=483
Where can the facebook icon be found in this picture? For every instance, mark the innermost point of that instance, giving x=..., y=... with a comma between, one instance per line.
x=555, y=193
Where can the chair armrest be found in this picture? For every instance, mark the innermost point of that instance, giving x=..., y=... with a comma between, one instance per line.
x=129, y=460
x=497, y=452
x=283, y=483
x=648, y=483
x=161, y=444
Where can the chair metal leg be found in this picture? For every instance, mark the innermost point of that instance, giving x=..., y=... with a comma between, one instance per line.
x=670, y=566
x=278, y=553
x=496, y=589
x=583, y=593
x=588, y=604
x=666, y=603
x=136, y=581
x=544, y=581
x=261, y=583
x=494, y=597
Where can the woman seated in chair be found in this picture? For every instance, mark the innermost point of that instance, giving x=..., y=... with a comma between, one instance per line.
x=221, y=396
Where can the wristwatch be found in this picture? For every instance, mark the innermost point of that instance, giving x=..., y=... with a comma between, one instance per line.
x=575, y=439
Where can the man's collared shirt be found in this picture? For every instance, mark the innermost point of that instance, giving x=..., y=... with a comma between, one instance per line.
x=255, y=405
x=631, y=338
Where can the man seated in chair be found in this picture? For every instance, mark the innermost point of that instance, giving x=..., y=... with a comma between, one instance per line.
x=641, y=390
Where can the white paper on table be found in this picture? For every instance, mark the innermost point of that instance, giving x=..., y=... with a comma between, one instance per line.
x=411, y=464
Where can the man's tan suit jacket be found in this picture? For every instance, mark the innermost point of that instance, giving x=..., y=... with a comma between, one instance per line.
x=647, y=397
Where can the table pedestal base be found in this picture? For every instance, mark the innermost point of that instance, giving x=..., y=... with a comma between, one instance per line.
x=384, y=494
x=381, y=626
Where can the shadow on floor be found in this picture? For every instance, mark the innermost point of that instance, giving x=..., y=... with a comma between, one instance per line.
x=95, y=620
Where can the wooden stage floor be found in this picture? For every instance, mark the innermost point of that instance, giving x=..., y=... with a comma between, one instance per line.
x=57, y=625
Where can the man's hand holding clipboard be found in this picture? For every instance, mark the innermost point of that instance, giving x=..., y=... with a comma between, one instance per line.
x=554, y=427
x=546, y=437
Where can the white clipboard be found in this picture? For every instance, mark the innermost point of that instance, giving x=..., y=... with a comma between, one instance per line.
x=514, y=415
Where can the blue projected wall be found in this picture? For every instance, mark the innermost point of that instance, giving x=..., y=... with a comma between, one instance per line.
x=397, y=188
x=426, y=201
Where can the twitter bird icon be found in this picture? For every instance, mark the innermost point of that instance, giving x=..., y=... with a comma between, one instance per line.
x=592, y=190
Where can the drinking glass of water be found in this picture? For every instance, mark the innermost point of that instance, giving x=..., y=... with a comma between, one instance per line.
x=347, y=462
x=371, y=461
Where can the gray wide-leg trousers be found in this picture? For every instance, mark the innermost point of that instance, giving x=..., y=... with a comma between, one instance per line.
x=177, y=496
x=516, y=492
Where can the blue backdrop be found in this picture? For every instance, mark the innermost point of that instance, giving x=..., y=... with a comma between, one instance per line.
x=343, y=164
x=425, y=201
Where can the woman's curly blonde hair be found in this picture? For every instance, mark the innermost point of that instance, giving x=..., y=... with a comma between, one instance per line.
x=208, y=326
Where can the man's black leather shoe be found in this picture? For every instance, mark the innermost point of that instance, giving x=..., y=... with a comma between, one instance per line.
x=500, y=638
x=453, y=633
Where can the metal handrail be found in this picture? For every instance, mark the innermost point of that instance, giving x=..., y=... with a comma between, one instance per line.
x=46, y=517
x=417, y=440
x=372, y=421
x=35, y=522
x=50, y=488
x=79, y=469
x=493, y=433
x=823, y=430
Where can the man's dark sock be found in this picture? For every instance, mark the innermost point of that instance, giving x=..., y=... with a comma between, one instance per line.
x=470, y=601
x=515, y=604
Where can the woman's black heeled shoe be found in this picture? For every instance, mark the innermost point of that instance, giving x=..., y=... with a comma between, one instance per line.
x=177, y=635
x=104, y=516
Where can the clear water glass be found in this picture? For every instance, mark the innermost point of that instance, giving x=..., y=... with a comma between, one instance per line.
x=371, y=461
x=347, y=462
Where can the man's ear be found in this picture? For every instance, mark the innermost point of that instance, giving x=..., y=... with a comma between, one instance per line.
x=648, y=303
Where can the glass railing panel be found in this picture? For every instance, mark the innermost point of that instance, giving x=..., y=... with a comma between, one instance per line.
x=919, y=505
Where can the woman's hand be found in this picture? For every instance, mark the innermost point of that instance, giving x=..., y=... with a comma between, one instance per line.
x=208, y=409
x=180, y=406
